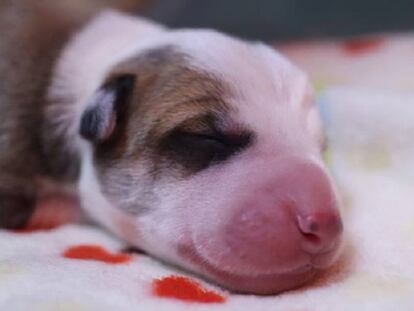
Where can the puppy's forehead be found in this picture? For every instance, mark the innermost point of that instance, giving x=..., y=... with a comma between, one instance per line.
x=260, y=79
x=239, y=62
x=195, y=73
x=169, y=85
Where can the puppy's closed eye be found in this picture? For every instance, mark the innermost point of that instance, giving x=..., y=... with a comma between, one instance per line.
x=196, y=151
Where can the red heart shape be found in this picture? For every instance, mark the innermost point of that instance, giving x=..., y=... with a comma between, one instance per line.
x=362, y=45
x=182, y=288
x=95, y=252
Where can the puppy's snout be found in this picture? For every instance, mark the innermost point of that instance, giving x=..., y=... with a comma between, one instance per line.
x=287, y=220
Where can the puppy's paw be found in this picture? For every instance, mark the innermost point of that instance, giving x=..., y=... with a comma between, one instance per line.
x=54, y=211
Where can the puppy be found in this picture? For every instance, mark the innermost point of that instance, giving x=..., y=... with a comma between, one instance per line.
x=201, y=149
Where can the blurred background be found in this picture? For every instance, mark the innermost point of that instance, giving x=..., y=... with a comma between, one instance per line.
x=274, y=20
x=288, y=19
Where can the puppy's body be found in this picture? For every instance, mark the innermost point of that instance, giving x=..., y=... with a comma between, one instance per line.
x=31, y=42
x=34, y=160
x=199, y=148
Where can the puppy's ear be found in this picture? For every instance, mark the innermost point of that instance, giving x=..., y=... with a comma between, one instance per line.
x=100, y=119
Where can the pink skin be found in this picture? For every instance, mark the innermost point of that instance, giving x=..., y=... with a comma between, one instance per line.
x=282, y=229
x=55, y=210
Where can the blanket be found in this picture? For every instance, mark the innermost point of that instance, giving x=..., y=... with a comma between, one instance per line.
x=365, y=89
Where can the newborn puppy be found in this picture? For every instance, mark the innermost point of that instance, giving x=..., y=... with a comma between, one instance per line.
x=201, y=149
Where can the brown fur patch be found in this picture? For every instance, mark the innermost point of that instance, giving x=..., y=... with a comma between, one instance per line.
x=30, y=41
x=168, y=127
x=167, y=93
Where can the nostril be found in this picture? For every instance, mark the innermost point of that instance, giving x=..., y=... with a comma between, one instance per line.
x=309, y=228
x=320, y=231
x=308, y=224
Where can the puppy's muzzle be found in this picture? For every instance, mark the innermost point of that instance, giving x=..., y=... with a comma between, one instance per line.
x=287, y=224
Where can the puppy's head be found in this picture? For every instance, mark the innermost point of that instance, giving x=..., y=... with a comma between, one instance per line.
x=206, y=152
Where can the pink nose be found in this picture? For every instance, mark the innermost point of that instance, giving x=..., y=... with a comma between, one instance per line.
x=286, y=220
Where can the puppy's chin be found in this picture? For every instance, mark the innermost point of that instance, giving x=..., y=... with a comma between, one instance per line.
x=250, y=282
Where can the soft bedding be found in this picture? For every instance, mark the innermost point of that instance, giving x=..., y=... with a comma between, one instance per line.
x=365, y=89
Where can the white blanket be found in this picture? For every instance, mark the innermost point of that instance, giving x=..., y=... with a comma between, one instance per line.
x=364, y=91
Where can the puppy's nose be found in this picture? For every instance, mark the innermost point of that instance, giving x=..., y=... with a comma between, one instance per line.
x=320, y=231
x=289, y=216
